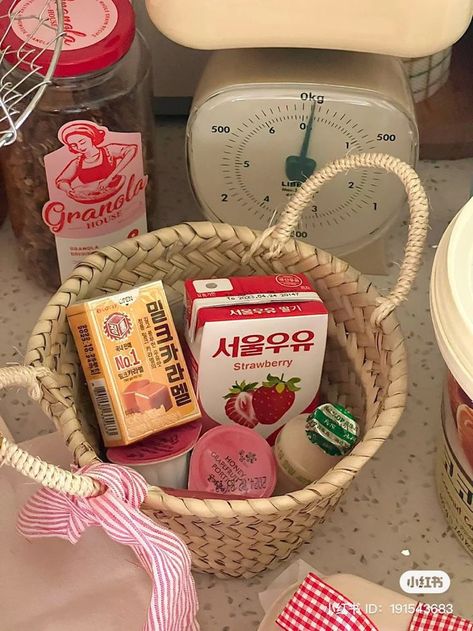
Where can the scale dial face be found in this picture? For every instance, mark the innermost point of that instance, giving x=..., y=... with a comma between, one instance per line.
x=249, y=149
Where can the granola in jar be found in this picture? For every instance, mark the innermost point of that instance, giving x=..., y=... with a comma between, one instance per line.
x=79, y=176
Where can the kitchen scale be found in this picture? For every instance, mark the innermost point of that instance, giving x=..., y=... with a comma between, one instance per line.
x=264, y=120
x=275, y=103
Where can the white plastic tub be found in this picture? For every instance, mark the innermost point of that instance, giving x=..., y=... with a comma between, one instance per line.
x=163, y=458
x=451, y=298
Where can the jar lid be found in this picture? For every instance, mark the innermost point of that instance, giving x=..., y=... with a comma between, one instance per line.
x=333, y=429
x=231, y=460
x=98, y=33
x=451, y=297
x=160, y=447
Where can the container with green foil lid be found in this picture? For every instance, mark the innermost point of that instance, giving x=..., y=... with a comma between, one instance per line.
x=333, y=428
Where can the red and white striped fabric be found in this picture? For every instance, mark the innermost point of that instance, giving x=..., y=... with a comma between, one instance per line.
x=163, y=555
x=318, y=607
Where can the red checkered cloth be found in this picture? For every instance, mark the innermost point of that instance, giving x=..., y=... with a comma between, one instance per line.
x=318, y=607
x=427, y=621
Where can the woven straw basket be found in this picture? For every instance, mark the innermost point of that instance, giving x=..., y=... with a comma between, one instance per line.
x=365, y=367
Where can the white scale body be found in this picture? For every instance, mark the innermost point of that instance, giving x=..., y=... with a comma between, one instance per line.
x=264, y=120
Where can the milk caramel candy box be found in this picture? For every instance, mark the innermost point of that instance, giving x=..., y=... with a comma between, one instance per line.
x=133, y=363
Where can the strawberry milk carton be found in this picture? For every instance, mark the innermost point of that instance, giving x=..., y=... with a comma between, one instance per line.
x=255, y=348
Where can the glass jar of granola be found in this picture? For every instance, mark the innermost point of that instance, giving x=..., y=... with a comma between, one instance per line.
x=79, y=176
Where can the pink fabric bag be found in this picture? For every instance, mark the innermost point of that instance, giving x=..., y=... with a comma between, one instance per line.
x=51, y=585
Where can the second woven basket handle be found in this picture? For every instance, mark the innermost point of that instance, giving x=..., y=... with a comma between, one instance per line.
x=32, y=467
x=419, y=219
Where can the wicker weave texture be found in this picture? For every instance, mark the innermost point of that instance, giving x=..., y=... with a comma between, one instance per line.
x=365, y=368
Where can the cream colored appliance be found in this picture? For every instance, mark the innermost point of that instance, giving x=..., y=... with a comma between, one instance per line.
x=406, y=28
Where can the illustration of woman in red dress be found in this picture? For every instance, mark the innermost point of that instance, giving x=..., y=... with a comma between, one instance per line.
x=95, y=174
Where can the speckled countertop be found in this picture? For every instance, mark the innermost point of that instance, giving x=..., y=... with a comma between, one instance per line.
x=389, y=520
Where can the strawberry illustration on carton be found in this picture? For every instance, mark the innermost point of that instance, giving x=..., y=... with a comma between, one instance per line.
x=255, y=348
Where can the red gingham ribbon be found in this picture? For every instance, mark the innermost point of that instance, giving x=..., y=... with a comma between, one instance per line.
x=427, y=621
x=163, y=555
x=316, y=606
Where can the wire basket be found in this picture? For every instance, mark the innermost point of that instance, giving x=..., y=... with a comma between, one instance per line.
x=27, y=67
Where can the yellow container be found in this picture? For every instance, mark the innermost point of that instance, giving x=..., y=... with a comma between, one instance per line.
x=133, y=363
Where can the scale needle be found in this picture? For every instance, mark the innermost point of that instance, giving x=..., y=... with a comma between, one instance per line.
x=299, y=168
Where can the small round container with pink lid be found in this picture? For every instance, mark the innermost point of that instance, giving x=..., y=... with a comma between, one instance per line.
x=162, y=459
x=230, y=460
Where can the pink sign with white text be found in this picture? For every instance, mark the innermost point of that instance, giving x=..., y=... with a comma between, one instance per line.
x=96, y=186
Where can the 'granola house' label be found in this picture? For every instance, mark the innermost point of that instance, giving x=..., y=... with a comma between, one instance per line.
x=96, y=188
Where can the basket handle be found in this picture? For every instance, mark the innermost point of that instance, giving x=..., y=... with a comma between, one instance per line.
x=32, y=467
x=419, y=220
